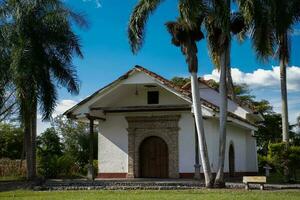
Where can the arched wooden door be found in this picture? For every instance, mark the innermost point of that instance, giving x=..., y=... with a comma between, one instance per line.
x=231, y=161
x=154, y=158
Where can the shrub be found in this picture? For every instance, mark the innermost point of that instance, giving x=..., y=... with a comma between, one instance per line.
x=67, y=166
x=282, y=157
x=48, y=165
x=262, y=162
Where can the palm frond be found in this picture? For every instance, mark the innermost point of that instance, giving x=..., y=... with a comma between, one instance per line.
x=137, y=22
x=192, y=12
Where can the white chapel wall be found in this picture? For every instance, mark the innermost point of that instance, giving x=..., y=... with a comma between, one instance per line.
x=113, y=145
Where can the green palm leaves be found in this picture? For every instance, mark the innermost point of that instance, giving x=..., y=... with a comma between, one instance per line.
x=138, y=20
x=41, y=44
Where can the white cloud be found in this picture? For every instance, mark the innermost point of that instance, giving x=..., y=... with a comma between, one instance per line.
x=265, y=84
x=61, y=107
x=262, y=78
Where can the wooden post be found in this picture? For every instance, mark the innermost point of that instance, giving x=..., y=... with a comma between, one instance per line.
x=90, y=168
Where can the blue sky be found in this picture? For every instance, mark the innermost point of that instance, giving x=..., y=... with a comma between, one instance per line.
x=107, y=54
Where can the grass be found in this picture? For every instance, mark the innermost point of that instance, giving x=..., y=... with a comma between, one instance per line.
x=12, y=178
x=279, y=178
x=202, y=194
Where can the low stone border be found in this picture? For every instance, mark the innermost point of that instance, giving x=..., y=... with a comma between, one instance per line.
x=266, y=186
x=147, y=185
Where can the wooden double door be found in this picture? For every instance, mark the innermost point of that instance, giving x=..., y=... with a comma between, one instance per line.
x=154, y=157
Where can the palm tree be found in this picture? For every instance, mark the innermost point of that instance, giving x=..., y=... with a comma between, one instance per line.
x=41, y=44
x=271, y=22
x=185, y=32
x=220, y=23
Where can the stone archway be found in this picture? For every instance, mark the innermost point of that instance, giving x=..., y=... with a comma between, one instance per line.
x=141, y=127
x=154, y=156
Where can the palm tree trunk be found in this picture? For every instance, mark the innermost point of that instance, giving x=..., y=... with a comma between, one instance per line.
x=283, y=55
x=219, y=182
x=230, y=85
x=284, y=109
x=200, y=130
x=33, y=138
x=27, y=142
x=190, y=51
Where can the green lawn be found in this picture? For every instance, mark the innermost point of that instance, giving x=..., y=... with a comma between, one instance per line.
x=202, y=194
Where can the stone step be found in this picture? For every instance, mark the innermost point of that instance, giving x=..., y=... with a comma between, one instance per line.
x=122, y=185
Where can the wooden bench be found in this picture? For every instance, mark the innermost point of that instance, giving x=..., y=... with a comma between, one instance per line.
x=261, y=180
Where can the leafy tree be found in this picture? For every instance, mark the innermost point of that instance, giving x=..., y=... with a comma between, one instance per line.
x=75, y=137
x=269, y=131
x=49, y=149
x=11, y=141
x=185, y=33
x=41, y=45
x=180, y=81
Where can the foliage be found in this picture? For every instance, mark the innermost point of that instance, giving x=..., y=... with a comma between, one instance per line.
x=180, y=81
x=39, y=33
x=49, y=150
x=63, y=150
x=269, y=131
x=281, y=157
x=67, y=166
x=39, y=45
x=262, y=161
x=75, y=137
x=11, y=141
x=8, y=105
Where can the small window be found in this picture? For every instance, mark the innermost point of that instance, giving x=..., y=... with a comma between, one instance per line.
x=153, y=97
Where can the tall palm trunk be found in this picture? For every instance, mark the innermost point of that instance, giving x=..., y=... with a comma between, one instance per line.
x=284, y=109
x=284, y=104
x=230, y=85
x=33, y=138
x=27, y=142
x=219, y=182
x=190, y=51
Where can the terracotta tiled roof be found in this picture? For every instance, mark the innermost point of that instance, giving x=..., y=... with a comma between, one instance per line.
x=186, y=91
x=163, y=80
x=182, y=90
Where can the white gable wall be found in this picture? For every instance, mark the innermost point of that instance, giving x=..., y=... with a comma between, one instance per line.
x=213, y=96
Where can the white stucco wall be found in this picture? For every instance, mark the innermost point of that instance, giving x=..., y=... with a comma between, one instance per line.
x=186, y=143
x=244, y=146
x=113, y=145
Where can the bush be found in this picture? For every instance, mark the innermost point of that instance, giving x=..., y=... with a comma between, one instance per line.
x=49, y=150
x=68, y=166
x=282, y=157
x=262, y=162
